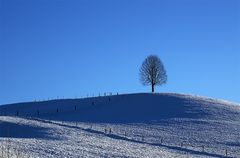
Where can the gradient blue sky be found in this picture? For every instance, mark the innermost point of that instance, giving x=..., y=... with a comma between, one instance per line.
x=69, y=48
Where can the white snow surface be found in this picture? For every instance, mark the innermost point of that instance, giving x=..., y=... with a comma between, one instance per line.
x=128, y=125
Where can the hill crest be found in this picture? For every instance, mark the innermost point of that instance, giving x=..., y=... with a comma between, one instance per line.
x=139, y=107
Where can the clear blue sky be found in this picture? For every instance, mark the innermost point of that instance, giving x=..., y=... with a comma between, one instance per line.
x=69, y=48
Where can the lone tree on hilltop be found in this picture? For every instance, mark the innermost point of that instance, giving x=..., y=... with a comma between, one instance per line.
x=152, y=72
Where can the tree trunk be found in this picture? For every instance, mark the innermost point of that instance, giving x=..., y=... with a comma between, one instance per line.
x=152, y=88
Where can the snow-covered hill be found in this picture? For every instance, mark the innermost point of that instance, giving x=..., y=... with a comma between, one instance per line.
x=130, y=125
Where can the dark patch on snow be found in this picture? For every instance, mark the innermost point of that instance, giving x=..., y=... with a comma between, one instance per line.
x=18, y=130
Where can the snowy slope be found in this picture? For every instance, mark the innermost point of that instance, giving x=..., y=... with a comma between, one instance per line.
x=133, y=125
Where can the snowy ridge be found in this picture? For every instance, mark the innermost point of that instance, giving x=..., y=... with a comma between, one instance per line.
x=128, y=125
x=205, y=98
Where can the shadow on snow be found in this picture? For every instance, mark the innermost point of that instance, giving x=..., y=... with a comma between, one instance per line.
x=17, y=130
x=132, y=108
x=181, y=149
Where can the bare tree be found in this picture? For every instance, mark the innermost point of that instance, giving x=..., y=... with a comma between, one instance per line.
x=152, y=72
